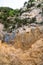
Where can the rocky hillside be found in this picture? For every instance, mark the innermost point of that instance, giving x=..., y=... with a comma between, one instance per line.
x=21, y=40
x=7, y=17
x=31, y=12
x=34, y=11
x=29, y=51
x=25, y=40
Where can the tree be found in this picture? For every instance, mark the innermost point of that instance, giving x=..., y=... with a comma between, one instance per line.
x=11, y=13
x=30, y=3
x=25, y=3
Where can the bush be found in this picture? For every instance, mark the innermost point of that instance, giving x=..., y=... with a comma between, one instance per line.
x=39, y=5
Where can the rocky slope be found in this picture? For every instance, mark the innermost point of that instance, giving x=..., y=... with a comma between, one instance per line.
x=26, y=46
x=24, y=40
x=13, y=19
x=33, y=11
x=32, y=56
x=27, y=49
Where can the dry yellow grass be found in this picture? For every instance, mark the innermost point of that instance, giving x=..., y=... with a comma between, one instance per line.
x=24, y=41
x=11, y=56
x=27, y=50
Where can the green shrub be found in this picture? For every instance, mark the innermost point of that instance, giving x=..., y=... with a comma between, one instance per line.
x=39, y=5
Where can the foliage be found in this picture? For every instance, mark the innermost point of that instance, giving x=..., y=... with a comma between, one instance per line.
x=30, y=3
x=38, y=5
x=5, y=13
x=25, y=3
x=10, y=17
x=32, y=20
